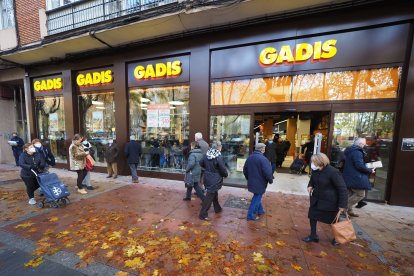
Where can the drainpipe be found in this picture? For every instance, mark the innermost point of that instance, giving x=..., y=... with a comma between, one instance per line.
x=22, y=112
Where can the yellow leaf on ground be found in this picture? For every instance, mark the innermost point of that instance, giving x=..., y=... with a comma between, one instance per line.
x=296, y=267
x=115, y=235
x=263, y=268
x=93, y=243
x=182, y=227
x=280, y=243
x=81, y=254
x=24, y=225
x=323, y=254
x=362, y=255
x=48, y=231
x=238, y=258
x=69, y=244
x=121, y=273
x=258, y=257
x=155, y=273
x=136, y=263
x=35, y=262
x=62, y=234
x=31, y=230
x=206, y=223
x=184, y=260
x=109, y=254
x=52, y=219
x=268, y=245
x=104, y=246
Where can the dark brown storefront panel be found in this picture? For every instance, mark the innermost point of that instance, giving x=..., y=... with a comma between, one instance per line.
x=384, y=45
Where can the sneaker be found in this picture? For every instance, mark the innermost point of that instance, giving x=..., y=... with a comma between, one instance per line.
x=256, y=218
x=360, y=204
x=32, y=201
x=109, y=176
x=115, y=176
x=82, y=191
x=90, y=188
x=135, y=181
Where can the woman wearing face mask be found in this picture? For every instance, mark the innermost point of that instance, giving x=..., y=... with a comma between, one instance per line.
x=30, y=160
x=77, y=160
x=328, y=194
x=45, y=153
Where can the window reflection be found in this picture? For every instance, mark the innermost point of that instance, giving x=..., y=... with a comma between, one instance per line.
x=378, y=129
x=159, y=119
x=97, y=121
x=233, y=132
x=51, y=125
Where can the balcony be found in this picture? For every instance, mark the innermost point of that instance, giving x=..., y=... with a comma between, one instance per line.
x=83, y=13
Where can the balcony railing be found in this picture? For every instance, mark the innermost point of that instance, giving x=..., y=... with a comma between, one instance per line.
x=84, y=13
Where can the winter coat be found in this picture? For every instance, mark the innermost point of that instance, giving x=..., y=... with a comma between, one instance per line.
x=355, y=172
x=214, y=170
x=111, y=152
x=28, y=162
x=19, y=146
x=47, y=155
x=133, y=152
x=270, y=152
x=258, y=172
x=308, y=150
x=193, y=164
x=203, y=146
x=329, y=190
x=77, y=157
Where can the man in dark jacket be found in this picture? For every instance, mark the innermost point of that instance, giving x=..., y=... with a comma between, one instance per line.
x=111, y=156
x=17, y=147
x=133, y=154
x=258, y=173
x=356, y=174
x=270, y=152
x=214, y=171
x=203, y=144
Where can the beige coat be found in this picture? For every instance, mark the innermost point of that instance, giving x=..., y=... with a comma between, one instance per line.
x=77, y=157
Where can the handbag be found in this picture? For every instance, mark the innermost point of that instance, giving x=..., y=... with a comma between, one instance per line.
x=189, y=179
x=88, y=165
x=343, y=230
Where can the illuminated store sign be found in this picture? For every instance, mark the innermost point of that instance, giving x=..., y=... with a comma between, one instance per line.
x=319, y=51
x=94, y=78
x=158, y=71
x=50, y=84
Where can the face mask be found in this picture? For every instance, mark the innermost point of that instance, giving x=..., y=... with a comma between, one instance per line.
x=85, y=143
x=38, y=145
x=313, y=167
x=32, y=150
x=110, y=141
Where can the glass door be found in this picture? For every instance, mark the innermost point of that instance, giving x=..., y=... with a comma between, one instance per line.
x=234, y=133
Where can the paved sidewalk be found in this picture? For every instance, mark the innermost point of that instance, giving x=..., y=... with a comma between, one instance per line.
x=147, y=228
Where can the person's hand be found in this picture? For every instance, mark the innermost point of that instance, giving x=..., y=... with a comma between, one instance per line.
x=310, y=190
x=342, y=210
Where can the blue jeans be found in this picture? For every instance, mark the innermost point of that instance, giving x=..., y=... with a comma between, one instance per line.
x=87, y=180
x=256, y=207
x=133, y=168
x=273, y=167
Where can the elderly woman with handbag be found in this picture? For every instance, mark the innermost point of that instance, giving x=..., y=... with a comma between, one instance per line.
x=193, y=172
x=77, y=160
x=328, y=195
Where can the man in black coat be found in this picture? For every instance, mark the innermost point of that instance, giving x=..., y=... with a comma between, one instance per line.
x=17, y=147
x=133, y=154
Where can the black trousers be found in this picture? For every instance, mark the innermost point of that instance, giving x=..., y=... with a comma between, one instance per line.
x=210, y=198
x=198, y=190
x=81, y=177
x=31, y=185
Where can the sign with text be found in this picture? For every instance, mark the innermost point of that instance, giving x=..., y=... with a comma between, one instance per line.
x=47, y=85
x=161, y=71
x=407, y=144
x=158, y=115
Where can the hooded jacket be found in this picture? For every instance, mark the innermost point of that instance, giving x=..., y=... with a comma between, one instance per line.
x=214, y=170
x=355, y=172
x=194, y=164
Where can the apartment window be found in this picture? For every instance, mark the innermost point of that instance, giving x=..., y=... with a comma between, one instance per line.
x=53, y=4
x=7, y=14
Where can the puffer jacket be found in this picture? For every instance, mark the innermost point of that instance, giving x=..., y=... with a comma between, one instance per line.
x=214, y=170
x=77, y=157
x=355, y=171
x=194, y=164
x=31, y=162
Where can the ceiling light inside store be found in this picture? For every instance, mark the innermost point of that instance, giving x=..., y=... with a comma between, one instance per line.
x=144, y=108
x=172, y=107
x=145, y=100
x=97, y=103
x=176, y=103
x=144, y=105
x=100, y=107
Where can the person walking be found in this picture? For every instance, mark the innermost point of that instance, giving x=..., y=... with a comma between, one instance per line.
x=17, y=146
x=111, y=157
x=356, y=174
x=270, y=153
x=30, y=160
x=328, y=195
x=132, y=152
x=87, y=147
x=203, y=144
x=194, y=168
x=214, y=171
x=77, y=160
x=258, y=172
x=307, y=151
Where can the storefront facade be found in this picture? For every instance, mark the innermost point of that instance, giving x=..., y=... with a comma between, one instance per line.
x=345, y=77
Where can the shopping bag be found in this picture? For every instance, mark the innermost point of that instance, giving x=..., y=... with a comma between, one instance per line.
x=343, y=230
x=189, y=179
